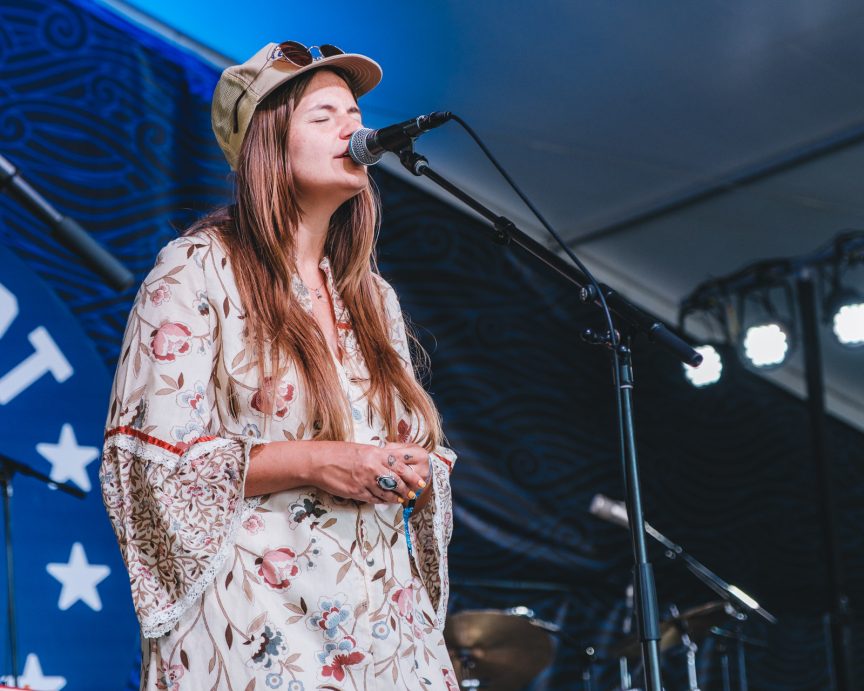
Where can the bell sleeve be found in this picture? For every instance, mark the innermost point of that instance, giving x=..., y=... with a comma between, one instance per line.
x=173, y=488
x=432, y=527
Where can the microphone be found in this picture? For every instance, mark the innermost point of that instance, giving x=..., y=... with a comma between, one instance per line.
x=366, y=146
x=609, y=510
x=616, y=512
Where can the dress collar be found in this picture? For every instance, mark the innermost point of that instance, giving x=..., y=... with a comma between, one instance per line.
x=353, y=359
x=304, y=296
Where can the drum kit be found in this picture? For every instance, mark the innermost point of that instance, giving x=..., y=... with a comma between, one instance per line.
x=506, y=650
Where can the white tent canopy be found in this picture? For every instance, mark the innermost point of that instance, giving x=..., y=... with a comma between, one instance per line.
x=667, y=142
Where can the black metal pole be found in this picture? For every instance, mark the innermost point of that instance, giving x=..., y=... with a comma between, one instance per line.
x=742, y=662
x=8, y=468
x=648, y=613
x=6, y=487
x=840, y=645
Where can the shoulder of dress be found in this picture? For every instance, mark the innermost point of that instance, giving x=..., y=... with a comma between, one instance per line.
x=191, y=258
x=388, y=296
x=384, y=287
x=199, y=243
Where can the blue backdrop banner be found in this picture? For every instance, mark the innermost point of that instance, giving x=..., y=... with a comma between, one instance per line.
x=76, y=628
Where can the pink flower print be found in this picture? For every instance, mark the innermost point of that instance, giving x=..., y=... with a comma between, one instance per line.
x=169, y=677
x=170, y=340
x=161, y=294
x=270, y=402
x=404, y=599
x=254, y=524
x=450, y=679
x=337, y=656
x=278, y=567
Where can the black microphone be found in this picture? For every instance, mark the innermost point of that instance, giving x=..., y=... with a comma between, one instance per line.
x=66, y=229
x=368, y=146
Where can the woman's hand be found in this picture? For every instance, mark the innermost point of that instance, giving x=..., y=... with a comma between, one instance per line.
x=344, y=469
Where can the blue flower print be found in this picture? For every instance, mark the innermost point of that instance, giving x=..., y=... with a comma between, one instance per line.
x=195, y=398
x=380, y=630
x=334, y=613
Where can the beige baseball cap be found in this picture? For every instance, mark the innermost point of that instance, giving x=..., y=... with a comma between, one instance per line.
x=242, y=87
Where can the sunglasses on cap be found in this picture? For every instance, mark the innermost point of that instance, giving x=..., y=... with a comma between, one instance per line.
x=295, y=53
x=300, y=55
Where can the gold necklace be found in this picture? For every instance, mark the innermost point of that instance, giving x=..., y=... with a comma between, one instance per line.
x=317, y=291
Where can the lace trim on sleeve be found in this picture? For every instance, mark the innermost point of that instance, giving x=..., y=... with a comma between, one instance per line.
x=431, y=532
x=148, y=593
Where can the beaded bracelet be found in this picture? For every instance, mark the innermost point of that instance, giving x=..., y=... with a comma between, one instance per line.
x=407, y=510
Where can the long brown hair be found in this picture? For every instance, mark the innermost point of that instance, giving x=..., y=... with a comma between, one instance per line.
x=259, y=233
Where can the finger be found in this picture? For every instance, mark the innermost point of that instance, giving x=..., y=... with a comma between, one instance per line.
x=387, y=496
x=393, y=463
x=381, y=496
x=412, y=454
x=407, y=447
x=420, y=461
x=402, y=490
x=373, y=497
x=409, y=480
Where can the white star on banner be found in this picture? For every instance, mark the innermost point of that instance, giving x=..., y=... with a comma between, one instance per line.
x=68, y=460
x=79, y=579
x=32, y=677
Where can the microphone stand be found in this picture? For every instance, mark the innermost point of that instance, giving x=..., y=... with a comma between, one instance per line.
x=738, y=602
x=737, y=598
x=66, y=229
x=8, y=468
x=632, y=321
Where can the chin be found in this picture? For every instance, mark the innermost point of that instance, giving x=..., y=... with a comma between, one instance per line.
x=349, y=193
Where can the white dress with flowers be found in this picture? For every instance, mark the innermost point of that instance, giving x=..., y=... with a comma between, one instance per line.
x=293, y=590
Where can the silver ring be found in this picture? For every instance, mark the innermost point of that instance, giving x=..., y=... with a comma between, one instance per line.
x=386, y=482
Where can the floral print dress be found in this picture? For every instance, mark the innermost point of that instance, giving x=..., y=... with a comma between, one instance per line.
x=296, y=590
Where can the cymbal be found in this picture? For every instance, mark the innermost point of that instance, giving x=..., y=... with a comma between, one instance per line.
x=501, y=650
x=696, y=622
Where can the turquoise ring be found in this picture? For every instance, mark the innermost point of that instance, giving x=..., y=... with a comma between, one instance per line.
x=386, y=482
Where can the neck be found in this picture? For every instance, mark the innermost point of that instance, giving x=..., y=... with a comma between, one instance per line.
x=311, y=237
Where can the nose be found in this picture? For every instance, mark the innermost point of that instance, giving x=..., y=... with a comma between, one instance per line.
x=349, y=127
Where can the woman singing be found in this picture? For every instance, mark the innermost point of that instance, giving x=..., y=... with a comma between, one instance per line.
x=272, y=468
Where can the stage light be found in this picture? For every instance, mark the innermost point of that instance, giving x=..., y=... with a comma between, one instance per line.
x=849, y=324
x=766, y=345
x=709, y=371
x=762, y=308
x=767, y=312
x=846, y=311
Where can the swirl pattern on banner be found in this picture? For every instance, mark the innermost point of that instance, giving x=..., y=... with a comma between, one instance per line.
x=112, y=126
